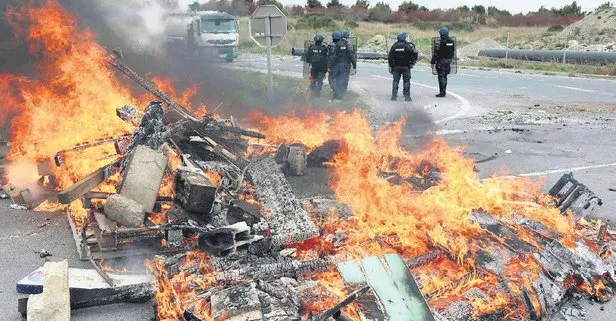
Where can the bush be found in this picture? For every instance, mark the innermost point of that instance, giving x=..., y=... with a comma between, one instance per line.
x=351, y=24
x=425, y=25
x=315, y=21
x=462, y=26
x=555, y=28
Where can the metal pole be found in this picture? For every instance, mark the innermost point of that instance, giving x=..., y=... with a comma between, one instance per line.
x=268, y=45
x=507, y=52
x=565, y=53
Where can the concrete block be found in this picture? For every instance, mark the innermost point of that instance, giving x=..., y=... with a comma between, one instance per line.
x=124, y=210
x=194, y=191
x=297, y=160
x=143, y=176
x=54, y=304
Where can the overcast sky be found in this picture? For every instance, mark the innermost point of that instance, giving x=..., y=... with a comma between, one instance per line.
x=512, y=6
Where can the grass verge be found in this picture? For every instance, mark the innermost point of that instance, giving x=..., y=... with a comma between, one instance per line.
x=607, y=70
x=366, y=30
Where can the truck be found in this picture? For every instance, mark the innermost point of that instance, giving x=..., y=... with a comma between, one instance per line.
x=203, y=33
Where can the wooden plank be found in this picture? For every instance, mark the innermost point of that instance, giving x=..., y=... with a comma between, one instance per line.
x=74, y=192
x=104, y=223
x=82, y=249
x=385, y=288
x=288, y=220
x=239, y=303
x=409, y=290
x=367, y=304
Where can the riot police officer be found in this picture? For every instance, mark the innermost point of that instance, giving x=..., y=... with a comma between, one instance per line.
x=442, y=57
x=402, y=57
x=340, y=61
x=316, y=56
x=351, y=47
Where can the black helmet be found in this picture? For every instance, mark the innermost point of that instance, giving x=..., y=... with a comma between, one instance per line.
x=336, y=35
x=319, y=37
x=402, y=36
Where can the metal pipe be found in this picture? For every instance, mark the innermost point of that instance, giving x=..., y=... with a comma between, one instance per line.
x=574, y=57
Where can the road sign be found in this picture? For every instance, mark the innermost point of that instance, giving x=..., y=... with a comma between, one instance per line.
x=267, y=26
x=267, y=16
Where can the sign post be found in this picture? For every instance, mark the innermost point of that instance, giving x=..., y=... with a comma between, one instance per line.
x=268, y=25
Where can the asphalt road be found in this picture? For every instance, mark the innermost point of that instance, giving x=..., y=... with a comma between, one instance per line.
x=559, y=124
x=536, y=125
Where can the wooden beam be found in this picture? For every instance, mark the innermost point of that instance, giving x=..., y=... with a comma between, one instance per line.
x=78, y=189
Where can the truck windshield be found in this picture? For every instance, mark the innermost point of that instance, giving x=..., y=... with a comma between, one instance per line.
x=218, y=26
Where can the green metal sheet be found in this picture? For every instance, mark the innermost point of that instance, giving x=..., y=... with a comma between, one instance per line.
x=385, y=288
x=408, y=289
x=367, y=304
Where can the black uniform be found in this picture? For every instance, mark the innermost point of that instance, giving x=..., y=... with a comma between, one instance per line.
x=442, y=57
x=316, y=56
x=352, y=49
x=402, y=57
x=341, y=59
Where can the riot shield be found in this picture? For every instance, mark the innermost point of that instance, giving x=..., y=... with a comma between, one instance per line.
x=307, y=67
x=436, y=42
x=353, y=41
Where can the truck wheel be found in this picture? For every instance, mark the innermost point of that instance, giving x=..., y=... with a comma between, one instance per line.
x=229, y=59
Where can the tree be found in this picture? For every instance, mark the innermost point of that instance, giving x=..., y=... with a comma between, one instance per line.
x=274, y=2
x=334, y=4
x=423, y=8
x=494, y=11
x=380, y=12
x=607, y=5
x=464, y=9
x=314, y=4
x=543, y=11
x=195, y=6
x=569, y=9
x=363, y=4
x=572, y=8
x=296, y=10
x=408, y=6
x=479, y=9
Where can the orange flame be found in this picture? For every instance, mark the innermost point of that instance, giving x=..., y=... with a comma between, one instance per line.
x=391, y=217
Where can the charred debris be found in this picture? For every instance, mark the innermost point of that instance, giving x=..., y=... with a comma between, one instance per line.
x=242, y=212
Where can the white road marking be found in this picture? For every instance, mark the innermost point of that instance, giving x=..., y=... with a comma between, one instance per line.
x=475, y=76
x=560, y=170
x=466, y=106
x=577, y=89
x=449, y=131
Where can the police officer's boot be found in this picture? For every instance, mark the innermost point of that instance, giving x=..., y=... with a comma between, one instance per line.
x=442, y=92
x=394, y=93
x=407, y=93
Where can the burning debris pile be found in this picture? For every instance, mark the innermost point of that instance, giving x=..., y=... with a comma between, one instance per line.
x=406, y=236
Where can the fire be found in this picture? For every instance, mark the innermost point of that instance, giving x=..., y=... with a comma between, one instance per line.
x=395, y=217
x=312, y=129
x=70, y=102
x=174, y=295
x=185, y=98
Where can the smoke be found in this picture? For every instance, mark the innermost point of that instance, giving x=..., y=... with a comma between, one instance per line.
x=137, y=24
